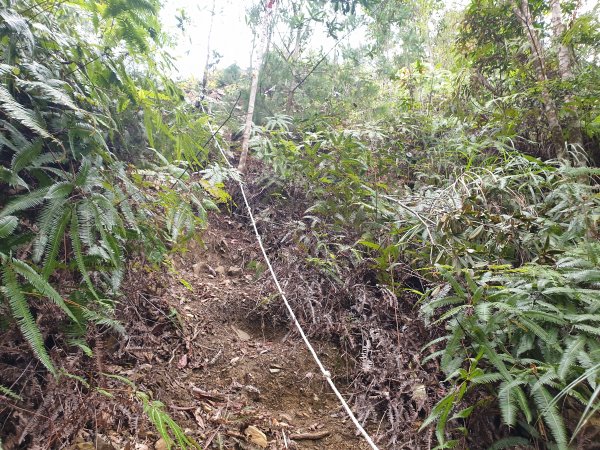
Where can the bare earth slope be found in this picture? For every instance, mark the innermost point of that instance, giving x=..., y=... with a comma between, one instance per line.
x=237, y=372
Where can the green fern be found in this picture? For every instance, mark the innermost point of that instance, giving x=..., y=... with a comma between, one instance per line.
x=8, y=225
x=19, y=113
x=41, y=285
x=26, y=201
x=552, y=417
x=22, y=313
x=168, y=429
x=9, y=393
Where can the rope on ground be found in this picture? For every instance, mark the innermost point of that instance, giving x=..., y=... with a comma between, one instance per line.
x=324, y=371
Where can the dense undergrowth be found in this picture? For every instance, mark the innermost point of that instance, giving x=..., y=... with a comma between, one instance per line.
x=95, y=148
x=505, y=253
x=440, y=219
x=464, y=178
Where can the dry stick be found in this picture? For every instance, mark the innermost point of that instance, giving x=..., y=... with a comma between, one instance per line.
x=310, y=436
x=326, y=374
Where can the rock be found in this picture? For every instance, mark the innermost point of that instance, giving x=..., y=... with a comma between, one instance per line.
x=419, y=393
x=234, y=271
x=220, y=270
x=161, y=444
x=252, y=392
x=203, y=267
x=241, y=334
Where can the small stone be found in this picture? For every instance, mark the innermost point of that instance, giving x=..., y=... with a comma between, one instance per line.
x=234, y=271
x=252, y=392
x=241, y=334
x=220, y=270
x=161, y=444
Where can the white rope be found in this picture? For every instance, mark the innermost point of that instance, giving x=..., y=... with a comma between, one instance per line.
x=324, y=371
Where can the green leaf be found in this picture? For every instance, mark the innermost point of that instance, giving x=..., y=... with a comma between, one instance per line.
x=569, y=356
x=42, y=286
x=8, y=224
x=59, y=190
x=24, y=157
x=552, y=417
x=20, y=310
x=25, y=201
x=17, y=112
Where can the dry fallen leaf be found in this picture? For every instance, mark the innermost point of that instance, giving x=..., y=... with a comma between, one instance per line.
x=257, y=437
x=241, y=334
x=199, y=418
x=183, y=362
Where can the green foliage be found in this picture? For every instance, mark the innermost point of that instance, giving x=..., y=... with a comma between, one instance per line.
x=82, y=88
x=507, y=241
x=168, y=429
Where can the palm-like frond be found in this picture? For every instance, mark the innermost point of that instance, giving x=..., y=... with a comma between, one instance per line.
x=22, y=313
x=19, y=113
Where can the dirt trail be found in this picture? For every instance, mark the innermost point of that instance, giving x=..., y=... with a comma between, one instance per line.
x=236, y=371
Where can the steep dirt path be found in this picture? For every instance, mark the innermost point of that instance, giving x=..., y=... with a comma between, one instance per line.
x=239, y=381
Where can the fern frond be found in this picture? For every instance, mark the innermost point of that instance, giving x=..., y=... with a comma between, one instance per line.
x=50, y=93
x=507, y=398
x=18, y=25
x=103, y=319
x=42, y=286
x=569, y=356
x=19, y=113
x=488, y=378
x=77, y=250
x=53, y=239
x=21, y=312
x=9, y=393
x=552, y=417
x=8, y=224
x=26, y=201
x=24, y=157
x=85, y=216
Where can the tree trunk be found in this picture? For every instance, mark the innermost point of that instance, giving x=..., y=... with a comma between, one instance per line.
x=291, y=60
x=256, y=64
x=207, y=63
x=566, y=62
x=523, y=13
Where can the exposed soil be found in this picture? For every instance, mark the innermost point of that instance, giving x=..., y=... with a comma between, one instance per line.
x=239, y=371
x=216, y=365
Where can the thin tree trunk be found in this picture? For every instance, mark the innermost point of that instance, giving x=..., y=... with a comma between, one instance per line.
x=292, y=59
x=207, y=63
x=523, y=13
x=256, y=64
x=566, y=62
